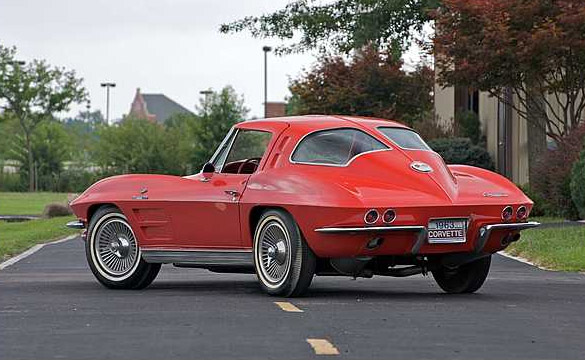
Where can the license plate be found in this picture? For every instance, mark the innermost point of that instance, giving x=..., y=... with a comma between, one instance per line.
x=447, y=231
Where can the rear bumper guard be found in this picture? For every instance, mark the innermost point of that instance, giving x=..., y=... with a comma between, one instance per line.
x=486, y=231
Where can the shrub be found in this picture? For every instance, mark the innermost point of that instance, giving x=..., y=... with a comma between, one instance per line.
x=12, y=182
x=76, y=179
x=554, y=174
x=56, y=209
x=541, y=206
x=462, y=151
x=467, y=125
x=578, y=184
x=429, y=128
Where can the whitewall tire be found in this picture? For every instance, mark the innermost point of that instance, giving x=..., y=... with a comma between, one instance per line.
x=284, y=263
x=113, y=252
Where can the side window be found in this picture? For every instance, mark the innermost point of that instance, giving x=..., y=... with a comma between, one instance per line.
x=334, y=146
x=246, y=152
x=405, y=138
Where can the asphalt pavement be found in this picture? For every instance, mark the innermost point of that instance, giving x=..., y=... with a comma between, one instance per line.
x=51, y=307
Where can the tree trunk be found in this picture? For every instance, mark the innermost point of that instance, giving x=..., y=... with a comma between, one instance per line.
x=536, y=122
x=31, y=175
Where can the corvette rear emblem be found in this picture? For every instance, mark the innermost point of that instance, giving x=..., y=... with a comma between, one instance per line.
x=495, y=194
x=421, y=167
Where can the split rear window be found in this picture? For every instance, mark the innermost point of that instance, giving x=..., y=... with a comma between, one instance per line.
x=334, y=146
x=404, y=138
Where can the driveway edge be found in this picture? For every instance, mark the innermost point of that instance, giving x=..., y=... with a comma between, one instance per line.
x=13, y=260
x=524, y=261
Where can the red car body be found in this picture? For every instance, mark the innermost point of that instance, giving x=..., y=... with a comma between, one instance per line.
x=218, y=212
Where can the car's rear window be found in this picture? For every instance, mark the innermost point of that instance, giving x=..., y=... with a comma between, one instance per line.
x=334, y=146
x=404, y=138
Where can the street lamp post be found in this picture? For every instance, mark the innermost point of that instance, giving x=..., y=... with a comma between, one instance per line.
x=266, y=50
x=206, y=93
x=108, y=85
x=88, y=108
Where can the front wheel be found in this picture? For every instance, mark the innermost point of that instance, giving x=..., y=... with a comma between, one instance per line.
x=113, y=253
x=283, y=261
x=466, y=278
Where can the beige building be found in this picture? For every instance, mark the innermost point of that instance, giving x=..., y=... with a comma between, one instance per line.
x=505, y=131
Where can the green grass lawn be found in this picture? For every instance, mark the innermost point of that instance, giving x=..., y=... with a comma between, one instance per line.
x=546, y=219
x=560, y=248
x=13, y=203
x=16, y=237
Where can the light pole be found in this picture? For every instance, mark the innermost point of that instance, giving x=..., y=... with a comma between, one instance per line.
x=266, y=50
x=108, y=85
x=88, y=108
x=206, y=93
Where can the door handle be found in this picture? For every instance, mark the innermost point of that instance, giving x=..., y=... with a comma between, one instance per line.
x=233, y=193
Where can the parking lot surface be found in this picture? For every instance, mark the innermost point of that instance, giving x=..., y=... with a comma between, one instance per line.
x=51, y=307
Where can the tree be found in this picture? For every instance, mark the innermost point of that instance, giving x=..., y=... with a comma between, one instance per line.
x=84, y=129
x=372, y=83
x=33, y=93
x=218, y=112
x=527, y=53
x=179, y=147
x=137, y=146
x=342, y=25
x=51, y=147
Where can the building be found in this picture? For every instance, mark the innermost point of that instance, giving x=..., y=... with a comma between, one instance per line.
x=155, y=107
x=275, y=109
x=505, y=131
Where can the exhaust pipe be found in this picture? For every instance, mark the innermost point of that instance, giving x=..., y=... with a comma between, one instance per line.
x=402, y=272
x=508, y=239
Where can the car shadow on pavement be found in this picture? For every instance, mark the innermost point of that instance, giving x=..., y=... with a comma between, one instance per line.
x=252, y=288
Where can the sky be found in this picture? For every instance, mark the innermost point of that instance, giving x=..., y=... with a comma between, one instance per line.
x=160, y=46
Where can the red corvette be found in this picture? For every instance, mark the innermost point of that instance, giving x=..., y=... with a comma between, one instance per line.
x=289, y=198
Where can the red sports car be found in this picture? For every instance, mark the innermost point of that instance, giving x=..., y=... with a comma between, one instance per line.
x=292, y=197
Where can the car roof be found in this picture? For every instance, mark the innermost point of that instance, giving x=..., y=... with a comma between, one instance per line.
x=315, y=122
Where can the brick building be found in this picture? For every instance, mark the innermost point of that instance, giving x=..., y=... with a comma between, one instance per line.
x=155, y=107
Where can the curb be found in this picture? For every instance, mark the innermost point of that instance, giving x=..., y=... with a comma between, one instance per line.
x=524, y=261
x=13, y=260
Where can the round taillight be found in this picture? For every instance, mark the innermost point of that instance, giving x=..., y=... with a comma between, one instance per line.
x=507, y=213
x=389, y=216
x=522, y=213
x=371, y=216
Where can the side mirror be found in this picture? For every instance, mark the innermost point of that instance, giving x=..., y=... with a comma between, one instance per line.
x=208, y=168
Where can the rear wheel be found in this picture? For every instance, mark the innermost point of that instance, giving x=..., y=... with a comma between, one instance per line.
x=283, y=261
x=113, y=253
x=467, y=278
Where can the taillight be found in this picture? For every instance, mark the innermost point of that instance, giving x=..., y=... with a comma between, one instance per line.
x=507, y=213
x=522, y=213
x=371, y=216
x=389, y=216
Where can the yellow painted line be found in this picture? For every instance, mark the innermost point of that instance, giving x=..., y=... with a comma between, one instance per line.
x=323, y=347
x=286, y=306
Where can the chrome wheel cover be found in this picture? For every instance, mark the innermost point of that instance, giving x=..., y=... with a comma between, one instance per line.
x=273, y=252
x=115, y=248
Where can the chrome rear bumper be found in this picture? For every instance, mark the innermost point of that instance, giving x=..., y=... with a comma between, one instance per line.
x=421, y=231
x=329, y=230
